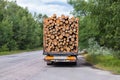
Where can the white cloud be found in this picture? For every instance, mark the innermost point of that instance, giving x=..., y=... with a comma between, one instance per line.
x=48, y=7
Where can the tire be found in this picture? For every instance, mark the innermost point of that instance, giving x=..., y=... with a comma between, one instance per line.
x=49, y=63
x=74, y=63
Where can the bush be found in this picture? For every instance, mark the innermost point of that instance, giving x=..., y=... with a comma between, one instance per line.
x=4, y=48
x=103, y=57
x=12, y=45
x=116, y=54
x=96, y=49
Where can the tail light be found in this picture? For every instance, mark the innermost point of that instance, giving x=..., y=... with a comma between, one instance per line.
x=49, y=58
x=71, y=58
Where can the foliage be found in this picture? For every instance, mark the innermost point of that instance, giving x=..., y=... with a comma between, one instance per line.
x=99, y=19
x=103, y=57
x=105, y=62
x=18, y=28
x=116, y=54
x=96, y=49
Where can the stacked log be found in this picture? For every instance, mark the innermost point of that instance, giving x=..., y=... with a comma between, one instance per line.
x=60, y=34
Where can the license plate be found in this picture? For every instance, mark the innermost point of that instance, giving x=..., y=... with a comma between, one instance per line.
x=60, y=57
x=60, y=60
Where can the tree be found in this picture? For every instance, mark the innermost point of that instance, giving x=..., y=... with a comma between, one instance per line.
x=101, y=19
x=19, y=29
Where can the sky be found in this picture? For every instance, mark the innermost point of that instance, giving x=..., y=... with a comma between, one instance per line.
x=48, y=7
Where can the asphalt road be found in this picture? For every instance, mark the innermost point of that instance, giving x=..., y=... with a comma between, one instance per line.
x=30, y=66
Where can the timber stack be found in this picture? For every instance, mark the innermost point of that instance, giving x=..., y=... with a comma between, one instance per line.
x=60, y=34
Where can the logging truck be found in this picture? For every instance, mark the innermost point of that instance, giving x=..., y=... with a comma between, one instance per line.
x=60, y=39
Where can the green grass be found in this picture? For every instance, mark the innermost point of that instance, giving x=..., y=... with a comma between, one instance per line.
x=106, y=62
x=18, y=51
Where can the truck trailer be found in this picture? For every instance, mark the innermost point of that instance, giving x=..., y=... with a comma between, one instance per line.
x=60, y=39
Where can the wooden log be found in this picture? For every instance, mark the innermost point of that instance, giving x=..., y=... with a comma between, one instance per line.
x=60, y=34
x=68, y=49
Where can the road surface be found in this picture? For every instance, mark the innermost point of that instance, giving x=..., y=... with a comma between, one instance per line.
x=30, y=66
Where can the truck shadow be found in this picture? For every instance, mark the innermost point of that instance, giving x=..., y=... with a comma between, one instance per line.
x=80, y=63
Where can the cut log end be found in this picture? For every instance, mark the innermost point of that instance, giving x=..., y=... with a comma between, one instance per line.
x=61, y=34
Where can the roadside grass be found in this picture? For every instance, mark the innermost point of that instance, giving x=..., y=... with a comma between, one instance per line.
x=18, y=51
x=105, y=62
x=102, y=57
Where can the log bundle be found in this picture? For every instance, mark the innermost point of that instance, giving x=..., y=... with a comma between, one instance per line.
x=60, y=34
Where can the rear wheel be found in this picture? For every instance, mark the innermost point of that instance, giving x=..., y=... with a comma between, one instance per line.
x=74, y=63
x=49, y=63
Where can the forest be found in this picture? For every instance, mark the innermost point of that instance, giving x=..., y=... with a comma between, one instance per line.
x=19, y=29
x=99, y=19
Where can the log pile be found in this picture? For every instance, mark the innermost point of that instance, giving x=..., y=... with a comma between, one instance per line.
x=60, y=34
